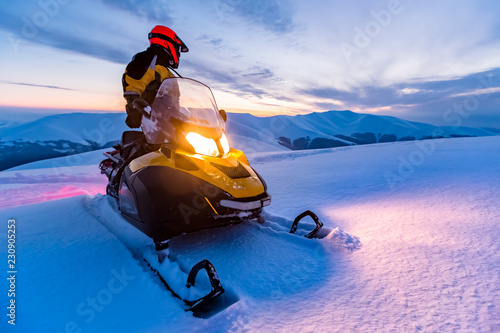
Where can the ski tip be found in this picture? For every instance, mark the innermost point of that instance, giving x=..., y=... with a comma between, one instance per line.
x=213, y=306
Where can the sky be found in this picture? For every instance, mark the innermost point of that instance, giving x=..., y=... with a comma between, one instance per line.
x=430, y=61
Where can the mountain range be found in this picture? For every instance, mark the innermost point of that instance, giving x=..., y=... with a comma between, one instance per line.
x=72, y=133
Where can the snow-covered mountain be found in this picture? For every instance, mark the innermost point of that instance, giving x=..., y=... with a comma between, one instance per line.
x=72, y=133
x=58, y=135
x=339, y=128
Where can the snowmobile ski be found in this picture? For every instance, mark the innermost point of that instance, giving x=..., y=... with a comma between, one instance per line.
x=209, y=305
x=144, y=250
x=307, y=230
x=216, y=300
x=319, y=231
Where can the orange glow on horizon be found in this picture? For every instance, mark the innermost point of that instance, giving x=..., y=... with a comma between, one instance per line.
x=45, y=98
x=50, y=104
x=62, y=108
x=111, y=101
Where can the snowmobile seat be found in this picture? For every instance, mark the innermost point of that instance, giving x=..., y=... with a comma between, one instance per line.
x=131, y=143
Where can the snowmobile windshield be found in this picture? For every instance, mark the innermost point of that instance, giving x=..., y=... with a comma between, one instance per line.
x=183, y=106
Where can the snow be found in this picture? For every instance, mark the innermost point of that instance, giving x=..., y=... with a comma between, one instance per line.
x=416, y=249
x=65, y=164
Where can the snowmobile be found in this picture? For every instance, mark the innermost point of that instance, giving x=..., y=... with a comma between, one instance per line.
x=180, y=175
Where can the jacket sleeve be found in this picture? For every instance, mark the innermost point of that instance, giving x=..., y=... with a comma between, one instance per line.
x=138, y=74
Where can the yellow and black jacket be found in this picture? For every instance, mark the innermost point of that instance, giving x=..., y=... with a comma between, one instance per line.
x=145, y=73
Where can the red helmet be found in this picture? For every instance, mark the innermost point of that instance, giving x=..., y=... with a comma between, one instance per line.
x=166, y=37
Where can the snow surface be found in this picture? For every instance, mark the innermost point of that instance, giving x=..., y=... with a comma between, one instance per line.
x=426, y=215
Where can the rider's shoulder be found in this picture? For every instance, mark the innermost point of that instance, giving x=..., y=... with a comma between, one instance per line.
x=143, y=57
x=139, y=64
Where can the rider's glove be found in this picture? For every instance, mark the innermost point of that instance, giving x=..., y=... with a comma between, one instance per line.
x=136, y=107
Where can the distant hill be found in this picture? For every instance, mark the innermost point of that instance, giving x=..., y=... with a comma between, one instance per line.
x=72, y=133
x=340, y=128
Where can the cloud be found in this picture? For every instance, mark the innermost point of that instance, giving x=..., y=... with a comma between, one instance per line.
x=423, y=40
x=408, y=91
x=478, y=92
x=264, y=73
x=414, y=92
x=113, y=29
x=92, y=47
x=469, y=99
x=34, y=85
x=85, y=27
x=274, y=15
x=221, y=78
x=210, y=40
x=153, y=10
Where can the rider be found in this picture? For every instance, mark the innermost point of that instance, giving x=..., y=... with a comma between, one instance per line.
x=141, y=80
x=148, y=69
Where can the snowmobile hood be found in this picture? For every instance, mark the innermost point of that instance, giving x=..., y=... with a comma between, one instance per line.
x=232, y=173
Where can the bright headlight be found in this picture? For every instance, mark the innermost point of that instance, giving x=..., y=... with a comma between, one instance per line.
x=224, y=143
x=202, y=145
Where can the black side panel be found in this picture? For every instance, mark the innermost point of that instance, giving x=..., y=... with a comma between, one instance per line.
x=169, y=202
x=126, y=196
x=163, y=202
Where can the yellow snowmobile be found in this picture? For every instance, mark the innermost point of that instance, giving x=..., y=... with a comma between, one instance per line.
x=180, y=175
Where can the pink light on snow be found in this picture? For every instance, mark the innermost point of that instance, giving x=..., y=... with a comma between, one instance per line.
x=33, y=194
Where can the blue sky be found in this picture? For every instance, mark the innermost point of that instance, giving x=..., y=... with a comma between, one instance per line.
x=430, y=61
